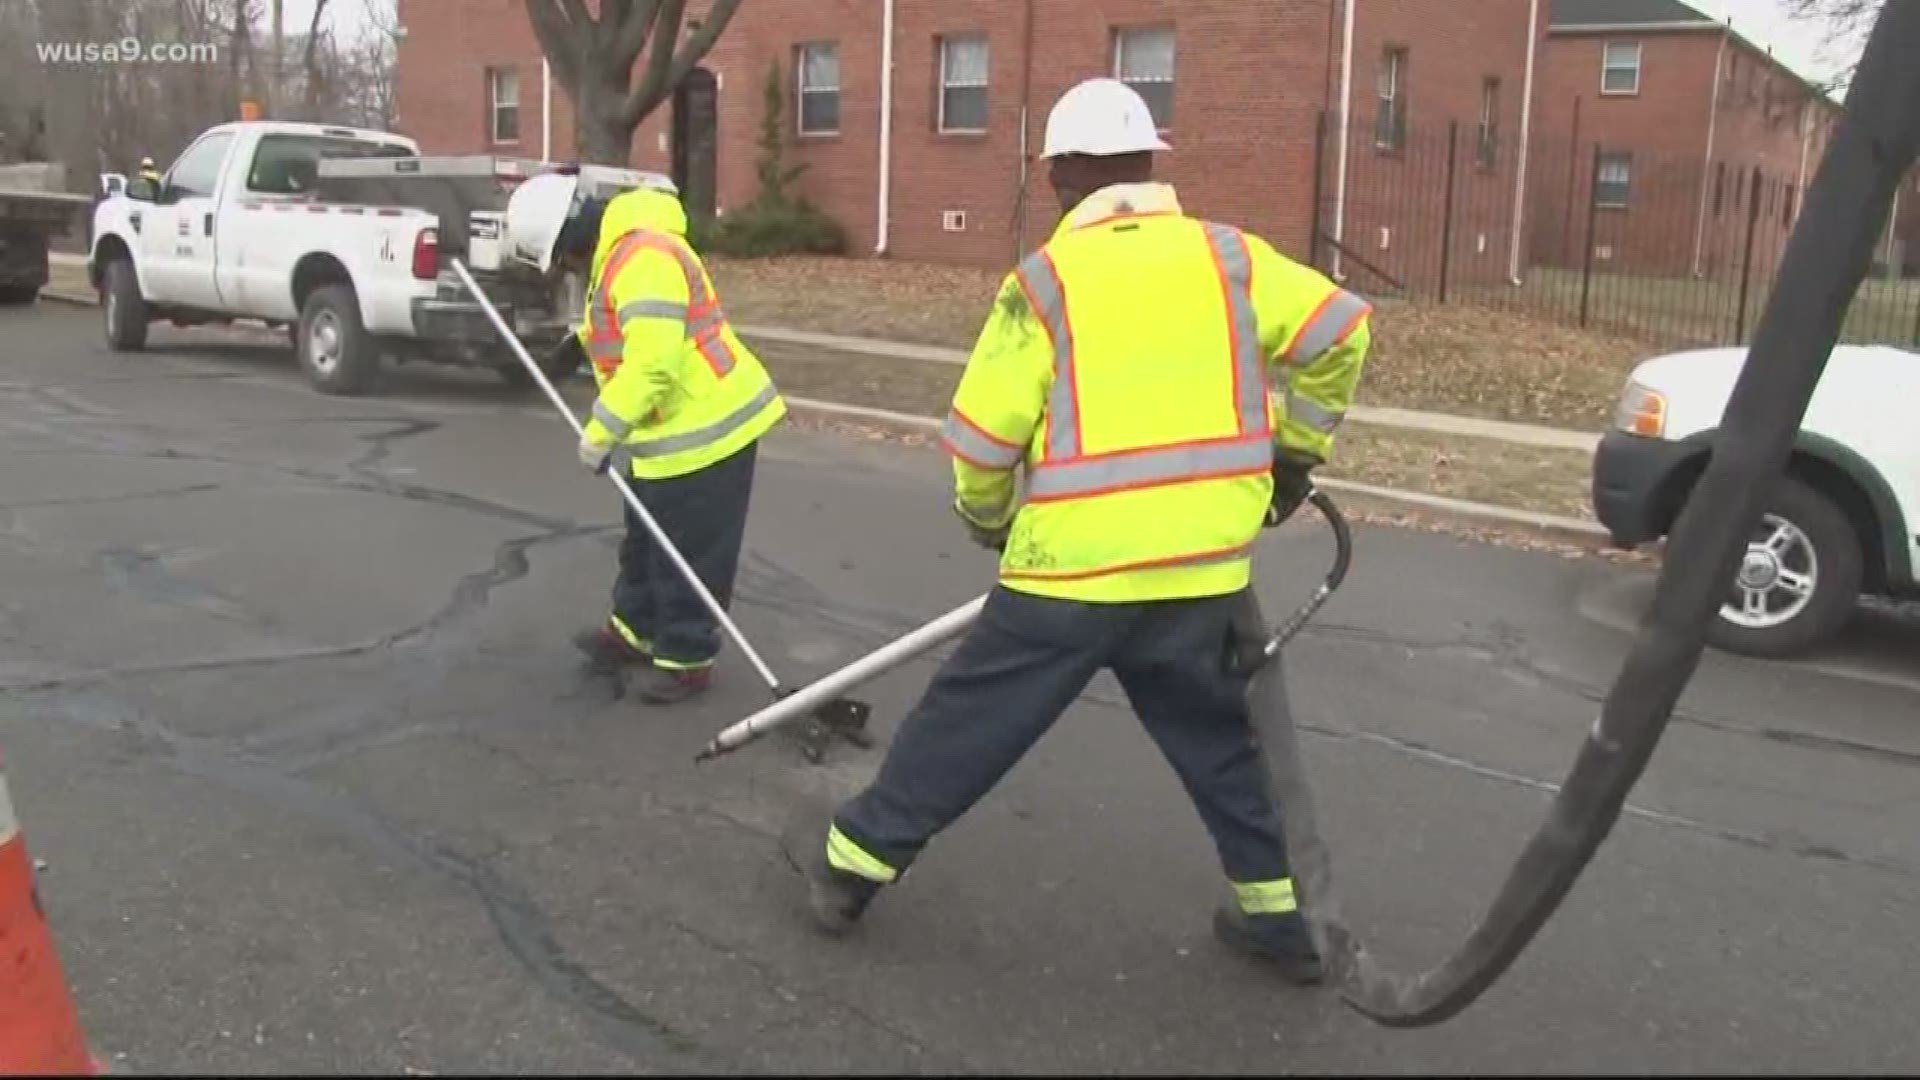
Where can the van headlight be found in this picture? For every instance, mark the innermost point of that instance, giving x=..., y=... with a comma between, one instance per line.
x=1642, y=411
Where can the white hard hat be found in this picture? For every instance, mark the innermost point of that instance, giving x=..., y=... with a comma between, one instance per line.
x=1101, y=118
x=536, y=213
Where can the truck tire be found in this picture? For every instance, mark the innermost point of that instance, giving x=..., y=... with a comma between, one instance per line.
x=17, y=294
x=122, y=308
x=1799, y=581
x=333, y=345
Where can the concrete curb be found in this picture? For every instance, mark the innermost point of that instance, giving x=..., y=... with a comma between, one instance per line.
x=76, y=299
x=1565, y=528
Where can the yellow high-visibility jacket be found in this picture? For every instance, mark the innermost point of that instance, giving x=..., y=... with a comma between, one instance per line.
x=679, y=390
x=1127, y=368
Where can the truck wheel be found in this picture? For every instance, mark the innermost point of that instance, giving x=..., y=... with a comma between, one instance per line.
x=335, y=350
x=18, y=294
x=123, y=309
x=1798, y=582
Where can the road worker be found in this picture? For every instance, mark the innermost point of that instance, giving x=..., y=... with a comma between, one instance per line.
x=1126, y=367
x=681, y=409
x=148, y=170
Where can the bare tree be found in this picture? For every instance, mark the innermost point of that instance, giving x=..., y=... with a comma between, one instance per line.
x=595, y=59
x=318, y=44
x=1845, y=24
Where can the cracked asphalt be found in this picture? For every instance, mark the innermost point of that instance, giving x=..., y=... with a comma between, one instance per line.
x=290, y=714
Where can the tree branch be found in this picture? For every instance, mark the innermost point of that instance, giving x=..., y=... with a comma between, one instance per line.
x=697, y=45
x=636, y=25
x=565, y=31
x=656, y=80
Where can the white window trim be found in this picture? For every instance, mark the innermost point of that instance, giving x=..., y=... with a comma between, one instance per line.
x=1395, y=59
x=495, y=104
x=1639, y=54
x=801, y=89
x=947, y=40
x=1120, y=36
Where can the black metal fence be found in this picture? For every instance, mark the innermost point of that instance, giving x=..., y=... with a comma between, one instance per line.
x=1682, y=251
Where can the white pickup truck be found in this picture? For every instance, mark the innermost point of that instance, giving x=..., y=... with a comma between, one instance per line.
x=1844, y=521
x=340, y=235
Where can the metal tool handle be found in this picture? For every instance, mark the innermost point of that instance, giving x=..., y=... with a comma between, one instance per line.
x=1244, y=660
x=619, y=481
x=805, y=700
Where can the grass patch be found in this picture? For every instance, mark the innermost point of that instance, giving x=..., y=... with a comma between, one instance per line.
x=1463, y=359
x=1480, y=470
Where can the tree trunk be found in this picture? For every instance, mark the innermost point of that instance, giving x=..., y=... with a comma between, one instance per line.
x=600, y=135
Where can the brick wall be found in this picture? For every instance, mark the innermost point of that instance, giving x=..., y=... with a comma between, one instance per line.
x=1396, y=214
x=1251, y=77
x=1684, y=211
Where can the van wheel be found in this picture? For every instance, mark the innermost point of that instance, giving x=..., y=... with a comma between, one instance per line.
x=1798, y=582
x=123, y=310
x=335, y=350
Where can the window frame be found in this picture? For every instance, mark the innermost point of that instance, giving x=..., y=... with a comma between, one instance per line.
x=943, y=85
x=1621, y=157
x=1121, y=34
x=221, y=143
x=1487, y=145
x=495, y=106
x=1606, y=67
x=1390, y=109
x=801, y=89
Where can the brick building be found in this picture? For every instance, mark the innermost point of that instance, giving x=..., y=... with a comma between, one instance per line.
x=1673, y=124
x=932, y=163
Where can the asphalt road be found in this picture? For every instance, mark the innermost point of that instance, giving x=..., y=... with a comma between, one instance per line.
x=291, y=716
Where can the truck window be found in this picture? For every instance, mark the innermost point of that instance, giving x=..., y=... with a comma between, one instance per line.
x=198, y=170
x=290, y=164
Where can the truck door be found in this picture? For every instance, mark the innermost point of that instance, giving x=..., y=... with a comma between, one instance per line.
x=176, y=239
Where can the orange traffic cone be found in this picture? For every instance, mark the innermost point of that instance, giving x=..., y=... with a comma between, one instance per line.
x=39, y=1030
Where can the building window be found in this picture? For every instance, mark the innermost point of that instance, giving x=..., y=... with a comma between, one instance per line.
x=503, y=105
x=819, y=88
x=1143, y=59
x=1612, y=183
x=1488, y=150
x=963, y=83
x=1620, y=68
x=1390, y=117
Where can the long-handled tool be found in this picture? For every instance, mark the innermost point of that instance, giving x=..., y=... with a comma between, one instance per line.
x=955, y=622
x=834, y=715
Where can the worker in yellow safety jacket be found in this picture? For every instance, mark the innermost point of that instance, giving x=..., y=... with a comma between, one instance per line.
x=682, y=406
x=1126, y=368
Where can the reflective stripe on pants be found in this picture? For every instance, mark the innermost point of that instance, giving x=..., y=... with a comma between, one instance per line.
x=1023, y=663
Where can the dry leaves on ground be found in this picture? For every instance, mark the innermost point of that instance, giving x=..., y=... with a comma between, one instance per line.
x=1465, y=359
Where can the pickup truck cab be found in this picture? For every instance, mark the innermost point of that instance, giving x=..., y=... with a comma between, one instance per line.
x=271, y=221
x=1844, y=521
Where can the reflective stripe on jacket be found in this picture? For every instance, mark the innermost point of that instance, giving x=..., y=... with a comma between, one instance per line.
x=1127, y=367
x=678, y=389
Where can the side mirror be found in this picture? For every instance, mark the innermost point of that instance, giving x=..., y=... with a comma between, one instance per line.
x=142, y=189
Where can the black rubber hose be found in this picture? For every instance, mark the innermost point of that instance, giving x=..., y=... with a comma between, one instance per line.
x=1827, y=257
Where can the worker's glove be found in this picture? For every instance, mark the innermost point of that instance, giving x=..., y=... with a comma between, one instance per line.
x=596, y=456
x=1292, y=483
x=991, y=537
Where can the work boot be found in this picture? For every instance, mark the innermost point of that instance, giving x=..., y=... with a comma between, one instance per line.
x=606, y=649
x=1279, y=940
x=670, y=686
x=837, y=898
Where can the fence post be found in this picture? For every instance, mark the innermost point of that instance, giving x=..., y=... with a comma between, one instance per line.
x=1319, y=187
x=1586, y=257
x=1446, y=213
x=1746, y=260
